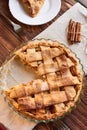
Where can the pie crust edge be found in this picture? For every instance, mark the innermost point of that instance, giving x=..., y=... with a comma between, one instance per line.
x=71, y=104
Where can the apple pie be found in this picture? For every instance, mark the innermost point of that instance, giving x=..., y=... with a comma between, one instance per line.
x=59, y=86
x=32, y=7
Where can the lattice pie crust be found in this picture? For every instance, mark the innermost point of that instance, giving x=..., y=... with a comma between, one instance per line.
x=32, y=7
x=59, y=86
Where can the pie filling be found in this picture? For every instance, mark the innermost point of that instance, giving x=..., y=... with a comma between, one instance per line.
x=59, y=87
x=32, y=7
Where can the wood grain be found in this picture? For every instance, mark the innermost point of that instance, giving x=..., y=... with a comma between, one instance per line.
x=9, y=40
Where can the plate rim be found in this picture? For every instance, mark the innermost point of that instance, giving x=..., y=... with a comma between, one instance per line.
x=35, y=24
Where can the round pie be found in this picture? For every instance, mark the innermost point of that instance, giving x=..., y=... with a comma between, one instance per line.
x=59, y=84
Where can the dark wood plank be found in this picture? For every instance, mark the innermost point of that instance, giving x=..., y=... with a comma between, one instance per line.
x=82, y=108
x=9, y=40
x=32, y=31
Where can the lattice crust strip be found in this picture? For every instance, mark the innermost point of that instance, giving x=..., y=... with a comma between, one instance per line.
x=60, y=84
x=45, y=59
x=46, y=99
x=36, y=86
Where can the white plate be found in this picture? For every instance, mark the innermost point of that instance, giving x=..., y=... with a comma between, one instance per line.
x=47, y=13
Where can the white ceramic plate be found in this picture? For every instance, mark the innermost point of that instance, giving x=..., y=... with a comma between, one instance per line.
x=47, y=13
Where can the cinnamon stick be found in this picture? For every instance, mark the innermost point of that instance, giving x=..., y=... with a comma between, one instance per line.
x=74, y=32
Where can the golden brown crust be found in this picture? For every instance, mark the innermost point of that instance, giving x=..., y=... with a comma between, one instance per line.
x=32, y=7
x=71, y=78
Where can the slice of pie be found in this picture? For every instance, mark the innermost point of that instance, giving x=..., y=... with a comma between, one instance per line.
x=59, y=86
x=32, y=7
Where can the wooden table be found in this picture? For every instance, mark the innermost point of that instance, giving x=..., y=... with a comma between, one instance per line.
x=9, y=40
